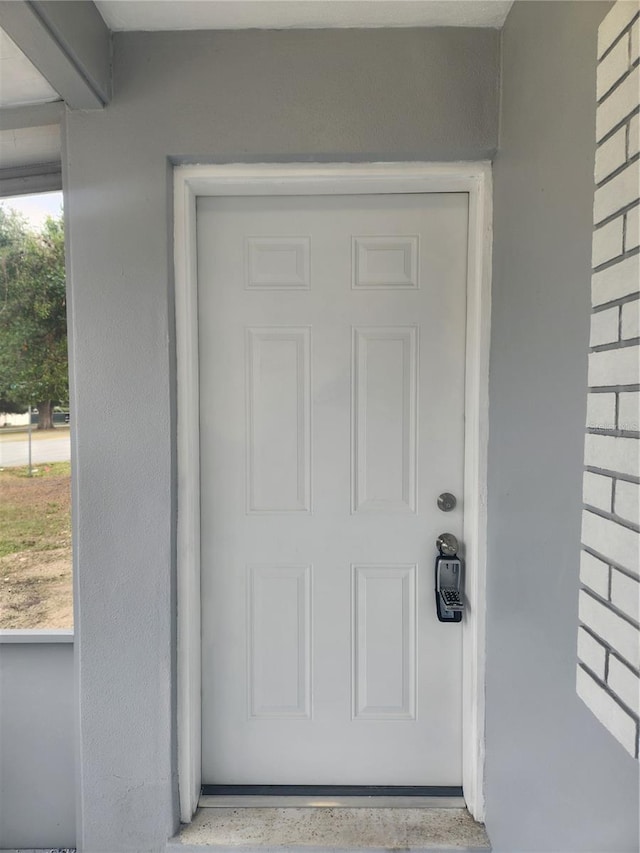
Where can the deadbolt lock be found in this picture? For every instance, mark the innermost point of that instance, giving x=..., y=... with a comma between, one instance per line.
x=446, y=502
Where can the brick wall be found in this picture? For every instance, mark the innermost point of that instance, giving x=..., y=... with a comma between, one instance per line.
x=609, y=634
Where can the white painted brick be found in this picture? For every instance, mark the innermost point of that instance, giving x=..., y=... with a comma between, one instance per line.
x=629, y=411
x=591, y=653
x=601, y=411
x=607, y=242
x=625, y=594
x=604, y=327
x=594, y=574
x=615, y=542
x=614, y=22
x=618, y=89
x=619, y=280
x=617, y=193
x=634, y=135
x=613, y=66
x=627, y=504
x=624, y=683
x=611, y=155
x=618, y=105
x=597, y=490
x=632, y=236
x=631, y=320
x=621, y=725
x=619, y=366
x=614, y=630
x=635, y=42
x=612, y=453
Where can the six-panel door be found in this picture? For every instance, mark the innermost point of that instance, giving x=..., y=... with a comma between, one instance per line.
x=332, y=359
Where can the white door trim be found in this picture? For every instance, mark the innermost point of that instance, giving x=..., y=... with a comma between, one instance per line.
x=319, y=179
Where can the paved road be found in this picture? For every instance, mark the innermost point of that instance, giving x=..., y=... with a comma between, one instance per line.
x=54, y=449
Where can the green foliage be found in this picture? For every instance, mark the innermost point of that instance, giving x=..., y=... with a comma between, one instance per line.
x=8, y=407
x=33, y=322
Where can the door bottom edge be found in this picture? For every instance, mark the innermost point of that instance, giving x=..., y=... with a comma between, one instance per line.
x=220, y=789
x=331, y=796
x=208, y=801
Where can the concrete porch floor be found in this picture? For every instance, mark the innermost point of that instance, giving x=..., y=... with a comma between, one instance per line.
x=316, y=830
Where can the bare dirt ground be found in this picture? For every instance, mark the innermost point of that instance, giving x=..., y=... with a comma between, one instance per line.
x=35, y=544
x=36, y=590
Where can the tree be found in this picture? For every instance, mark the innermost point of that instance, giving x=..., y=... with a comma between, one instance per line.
x=33, y=321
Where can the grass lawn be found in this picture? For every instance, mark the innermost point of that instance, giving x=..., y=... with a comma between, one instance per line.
x=35, y=547
x=21, y=433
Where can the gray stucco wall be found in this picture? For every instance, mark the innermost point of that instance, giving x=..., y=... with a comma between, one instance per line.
x=312, y=95
x=37, y=772
x=556, y=780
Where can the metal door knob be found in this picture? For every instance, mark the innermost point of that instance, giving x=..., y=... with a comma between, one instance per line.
x=447, y=544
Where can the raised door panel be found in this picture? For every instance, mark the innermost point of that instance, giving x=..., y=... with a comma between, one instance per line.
x=384, y=403
x=384, y=642
x=279, y=617
x=381, y=263
x=277, y=263
x=279, y=428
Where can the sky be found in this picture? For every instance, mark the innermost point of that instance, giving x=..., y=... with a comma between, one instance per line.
x=35, y=208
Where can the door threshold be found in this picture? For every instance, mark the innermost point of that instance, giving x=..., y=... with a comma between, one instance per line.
x=330, y=830
x=332, y=796
x=262, y=801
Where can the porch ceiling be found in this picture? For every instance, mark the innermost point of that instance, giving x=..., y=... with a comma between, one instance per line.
x=29, y=120
x=281, y=14
x=20, y=81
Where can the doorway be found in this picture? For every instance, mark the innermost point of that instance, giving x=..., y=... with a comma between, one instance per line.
x=373, y=683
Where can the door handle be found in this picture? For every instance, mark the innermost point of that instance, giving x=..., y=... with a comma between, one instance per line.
x=449, y=581
x=447, y=544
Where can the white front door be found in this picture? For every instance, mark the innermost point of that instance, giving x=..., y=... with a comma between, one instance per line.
x=332, y=365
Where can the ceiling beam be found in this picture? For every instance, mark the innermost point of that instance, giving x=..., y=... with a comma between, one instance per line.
x=69, y=44
x=25, y=180
x=34, y=115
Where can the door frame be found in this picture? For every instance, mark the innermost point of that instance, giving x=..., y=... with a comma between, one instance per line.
x=190, y=182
